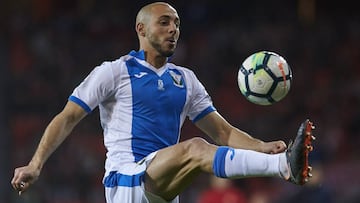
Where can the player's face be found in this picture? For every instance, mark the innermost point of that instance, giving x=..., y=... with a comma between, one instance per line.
x=163, y=30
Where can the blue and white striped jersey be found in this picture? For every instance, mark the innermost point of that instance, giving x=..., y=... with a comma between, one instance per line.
x=141, y=108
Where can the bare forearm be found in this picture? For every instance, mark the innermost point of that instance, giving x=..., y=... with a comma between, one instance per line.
x=240, y=139
x=224, y=133
x=55, y=133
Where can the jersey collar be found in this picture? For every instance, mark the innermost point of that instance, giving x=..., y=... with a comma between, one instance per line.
x=141, y=55
x=138, y=54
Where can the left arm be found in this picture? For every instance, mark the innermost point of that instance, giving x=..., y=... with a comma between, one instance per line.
x=223, y=133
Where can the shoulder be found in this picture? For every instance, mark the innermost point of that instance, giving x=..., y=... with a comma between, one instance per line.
x=187, y=72
x=114, y=67
x=116, y=62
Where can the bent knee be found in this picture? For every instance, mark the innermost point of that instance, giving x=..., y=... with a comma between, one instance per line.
x=197, y=147
x=197, y=143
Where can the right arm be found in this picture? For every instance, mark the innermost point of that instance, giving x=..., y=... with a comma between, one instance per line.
x=56, y=132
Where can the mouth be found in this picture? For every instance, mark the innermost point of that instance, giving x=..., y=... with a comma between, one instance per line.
x=171, y=40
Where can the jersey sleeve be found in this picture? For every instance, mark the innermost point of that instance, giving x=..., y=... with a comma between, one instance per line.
x=96, y=87
x=200, y=103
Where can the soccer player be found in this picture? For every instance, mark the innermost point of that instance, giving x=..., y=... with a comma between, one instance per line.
x=143, y=101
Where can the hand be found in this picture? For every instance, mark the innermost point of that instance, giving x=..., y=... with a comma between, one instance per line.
x=274, y=147
x=24, y=177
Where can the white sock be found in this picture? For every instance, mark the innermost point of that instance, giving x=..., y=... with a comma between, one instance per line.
x=240, y=163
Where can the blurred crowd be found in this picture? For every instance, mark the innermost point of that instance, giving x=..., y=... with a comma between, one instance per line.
x=48, y=46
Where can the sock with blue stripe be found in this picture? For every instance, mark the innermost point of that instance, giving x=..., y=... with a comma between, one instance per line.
x=238, y=163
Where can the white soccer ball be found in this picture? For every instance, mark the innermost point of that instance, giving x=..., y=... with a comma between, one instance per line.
x=264, y=78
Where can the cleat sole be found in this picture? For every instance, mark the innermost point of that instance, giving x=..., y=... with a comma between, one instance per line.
x=303, y=145
x=308, y=138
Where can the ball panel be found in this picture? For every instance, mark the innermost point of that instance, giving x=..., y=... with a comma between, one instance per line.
x=281, y=90
x=278, y=66
x=254, y=61
x=259, y=100
x=242, y=74
x=261, y=82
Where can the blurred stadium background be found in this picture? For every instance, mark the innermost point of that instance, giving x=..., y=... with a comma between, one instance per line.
x=48, y=46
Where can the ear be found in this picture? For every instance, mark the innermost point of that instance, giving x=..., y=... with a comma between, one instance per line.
x=140, y=29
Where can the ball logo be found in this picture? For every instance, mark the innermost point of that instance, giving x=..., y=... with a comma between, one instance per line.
x=259, y=82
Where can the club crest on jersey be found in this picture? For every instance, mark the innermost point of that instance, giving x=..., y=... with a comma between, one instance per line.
x=177, y=79
x=161, y=85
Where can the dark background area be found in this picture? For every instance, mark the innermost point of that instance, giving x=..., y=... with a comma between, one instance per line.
x=48, y=46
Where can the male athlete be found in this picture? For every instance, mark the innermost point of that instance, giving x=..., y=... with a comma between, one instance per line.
x=143, y=101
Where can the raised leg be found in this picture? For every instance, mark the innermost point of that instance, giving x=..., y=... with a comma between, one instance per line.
x=174, y=168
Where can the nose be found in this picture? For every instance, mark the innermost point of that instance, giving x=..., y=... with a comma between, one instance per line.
x=173, y=28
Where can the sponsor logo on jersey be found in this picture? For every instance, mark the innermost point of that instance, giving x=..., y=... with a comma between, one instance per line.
x=140, y=75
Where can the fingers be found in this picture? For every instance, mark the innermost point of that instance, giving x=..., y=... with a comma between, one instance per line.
x=277, y=147
x=15, y=180
x=21, y=180
x=23, y=187
x=282, y=146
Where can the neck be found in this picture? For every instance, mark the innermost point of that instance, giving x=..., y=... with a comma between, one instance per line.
x=152, y=56
x=155, y=59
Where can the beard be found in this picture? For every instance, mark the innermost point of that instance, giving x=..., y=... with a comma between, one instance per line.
x=156, y=44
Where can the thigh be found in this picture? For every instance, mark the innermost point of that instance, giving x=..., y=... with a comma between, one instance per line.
x=173, y=168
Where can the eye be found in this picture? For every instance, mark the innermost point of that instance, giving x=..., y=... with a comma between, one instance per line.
x=164, y=22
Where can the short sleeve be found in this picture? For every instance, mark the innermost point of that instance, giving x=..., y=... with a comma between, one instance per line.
x=95, y=88
x=200, y=103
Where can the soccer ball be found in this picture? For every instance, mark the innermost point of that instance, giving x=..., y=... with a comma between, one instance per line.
x=264, y=78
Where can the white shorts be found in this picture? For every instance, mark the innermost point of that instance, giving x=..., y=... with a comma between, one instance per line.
x=127, y=184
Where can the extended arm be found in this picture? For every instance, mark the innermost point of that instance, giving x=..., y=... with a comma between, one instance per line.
x=56, y=132
x=215, y=126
